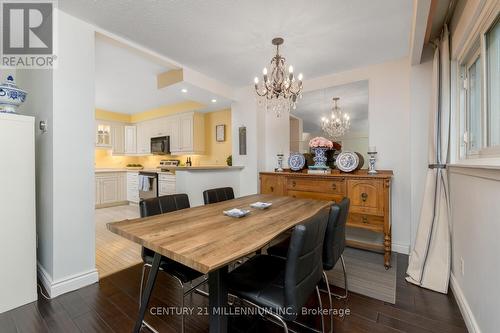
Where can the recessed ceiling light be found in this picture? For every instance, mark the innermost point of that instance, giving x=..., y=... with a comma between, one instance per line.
x=214, y=100
x=184, y=90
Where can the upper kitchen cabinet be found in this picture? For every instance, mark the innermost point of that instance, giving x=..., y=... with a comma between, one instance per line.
x=144, y=130
x=187, y=133
x=130, y=139
x=103, y=135
x=118, y=138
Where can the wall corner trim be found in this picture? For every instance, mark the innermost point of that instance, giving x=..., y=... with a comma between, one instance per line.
x=67, y=284
x=470, y=320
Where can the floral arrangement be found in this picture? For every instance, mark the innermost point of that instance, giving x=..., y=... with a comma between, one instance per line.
x=320, y=142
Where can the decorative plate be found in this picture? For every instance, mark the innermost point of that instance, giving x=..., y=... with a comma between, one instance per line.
x=296, y=161
x=347, y=161
x=236, y=212
x=261, y=205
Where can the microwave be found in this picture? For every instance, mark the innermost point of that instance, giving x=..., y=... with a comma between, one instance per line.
x=160, y=145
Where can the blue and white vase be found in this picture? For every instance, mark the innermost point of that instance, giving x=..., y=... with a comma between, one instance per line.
x=320, y=157
x=11, y=96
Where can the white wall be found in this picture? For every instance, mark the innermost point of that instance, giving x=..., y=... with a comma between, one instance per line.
x=64, y=97
x=475, y=215
x=38, y=84
x=74, y=130
x=243, y=113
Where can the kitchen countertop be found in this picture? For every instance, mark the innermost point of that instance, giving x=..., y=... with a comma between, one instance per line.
x=179, y=168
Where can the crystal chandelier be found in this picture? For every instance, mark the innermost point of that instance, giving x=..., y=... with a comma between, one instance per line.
x=338, y=123
x=280, y=90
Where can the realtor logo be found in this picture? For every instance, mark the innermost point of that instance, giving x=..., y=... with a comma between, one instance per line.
x=27, y=34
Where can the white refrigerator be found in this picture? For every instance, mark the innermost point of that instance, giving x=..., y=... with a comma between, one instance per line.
x=17, y=211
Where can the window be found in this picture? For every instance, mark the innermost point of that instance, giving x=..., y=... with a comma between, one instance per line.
x=480, y=71
x=474, y=105
x=493, y=83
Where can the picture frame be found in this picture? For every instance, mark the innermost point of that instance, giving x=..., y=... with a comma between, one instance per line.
x=242, y=134
x=220, y=133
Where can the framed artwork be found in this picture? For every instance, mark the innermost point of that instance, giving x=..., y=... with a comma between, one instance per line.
x=242, y=131
x=220, y=133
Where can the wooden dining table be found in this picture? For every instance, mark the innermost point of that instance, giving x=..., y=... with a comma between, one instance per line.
x=205, y=239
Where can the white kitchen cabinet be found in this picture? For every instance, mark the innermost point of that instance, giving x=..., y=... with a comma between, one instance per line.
x=130, y=139
x=103, y=134
x=144, y=137
x=159, y=127
x=110, y=188
x=133, y=187
x=118, y=138
x=187, y=133
x=166, y=184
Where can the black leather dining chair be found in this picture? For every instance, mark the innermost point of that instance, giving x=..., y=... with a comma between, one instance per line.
x=217, y=195
x=181, y=273
x=333, y=247
x=282, y=286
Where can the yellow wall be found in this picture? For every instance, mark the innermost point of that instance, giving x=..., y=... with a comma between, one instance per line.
x=159, y=112
x=112, y=116
x=166, y=110
x=216, y=153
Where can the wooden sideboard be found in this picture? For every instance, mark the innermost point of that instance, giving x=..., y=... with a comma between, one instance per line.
x=370, y=199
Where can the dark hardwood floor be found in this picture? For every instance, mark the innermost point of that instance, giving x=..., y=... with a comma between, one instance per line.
x=111, y=306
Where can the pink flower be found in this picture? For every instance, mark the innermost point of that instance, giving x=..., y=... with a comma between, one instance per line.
x=320, y=142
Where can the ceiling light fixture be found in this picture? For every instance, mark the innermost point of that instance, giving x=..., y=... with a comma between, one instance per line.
x=214, y=100
x=184, y=90
x=338, y=123
x=280, y=90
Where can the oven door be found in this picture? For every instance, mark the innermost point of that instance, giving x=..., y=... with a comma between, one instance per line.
x=148, y=185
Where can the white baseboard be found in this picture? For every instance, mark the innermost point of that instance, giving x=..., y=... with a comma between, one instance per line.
x=400, y=248
x=470, y=320
x=70, y=283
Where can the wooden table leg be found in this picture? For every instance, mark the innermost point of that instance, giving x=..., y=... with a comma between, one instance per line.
x=217, y=300
x=147, y=291
x=387, y=251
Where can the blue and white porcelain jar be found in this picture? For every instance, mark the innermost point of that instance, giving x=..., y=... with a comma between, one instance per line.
x=11, y=96
x=320, y=157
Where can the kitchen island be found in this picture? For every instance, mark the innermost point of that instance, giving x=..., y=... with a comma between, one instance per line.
x=194, y=180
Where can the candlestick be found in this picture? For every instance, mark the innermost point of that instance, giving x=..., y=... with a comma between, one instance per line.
x=371, y=164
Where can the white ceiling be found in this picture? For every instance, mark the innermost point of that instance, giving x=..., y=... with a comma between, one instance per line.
x=353, y=100
x=229, y=40
x=126, y=82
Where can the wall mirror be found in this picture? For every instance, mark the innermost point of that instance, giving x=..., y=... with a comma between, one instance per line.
x=306, y=119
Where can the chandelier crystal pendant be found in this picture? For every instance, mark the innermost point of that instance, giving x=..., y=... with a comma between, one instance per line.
x=338, y=123
x=280, y=90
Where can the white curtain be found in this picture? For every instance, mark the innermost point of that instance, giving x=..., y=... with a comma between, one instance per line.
x=429, y=264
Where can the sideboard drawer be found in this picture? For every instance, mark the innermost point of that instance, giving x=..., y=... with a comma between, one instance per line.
x=366, y=196
x=315, y=195
x=271, y=185
x=376, y=223
x=335, y=186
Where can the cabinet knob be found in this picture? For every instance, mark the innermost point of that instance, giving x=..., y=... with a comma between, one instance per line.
x=365, y=219
x=364, y=196
x=272, y=189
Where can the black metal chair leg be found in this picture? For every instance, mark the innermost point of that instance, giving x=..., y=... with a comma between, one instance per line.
x=147, y=292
